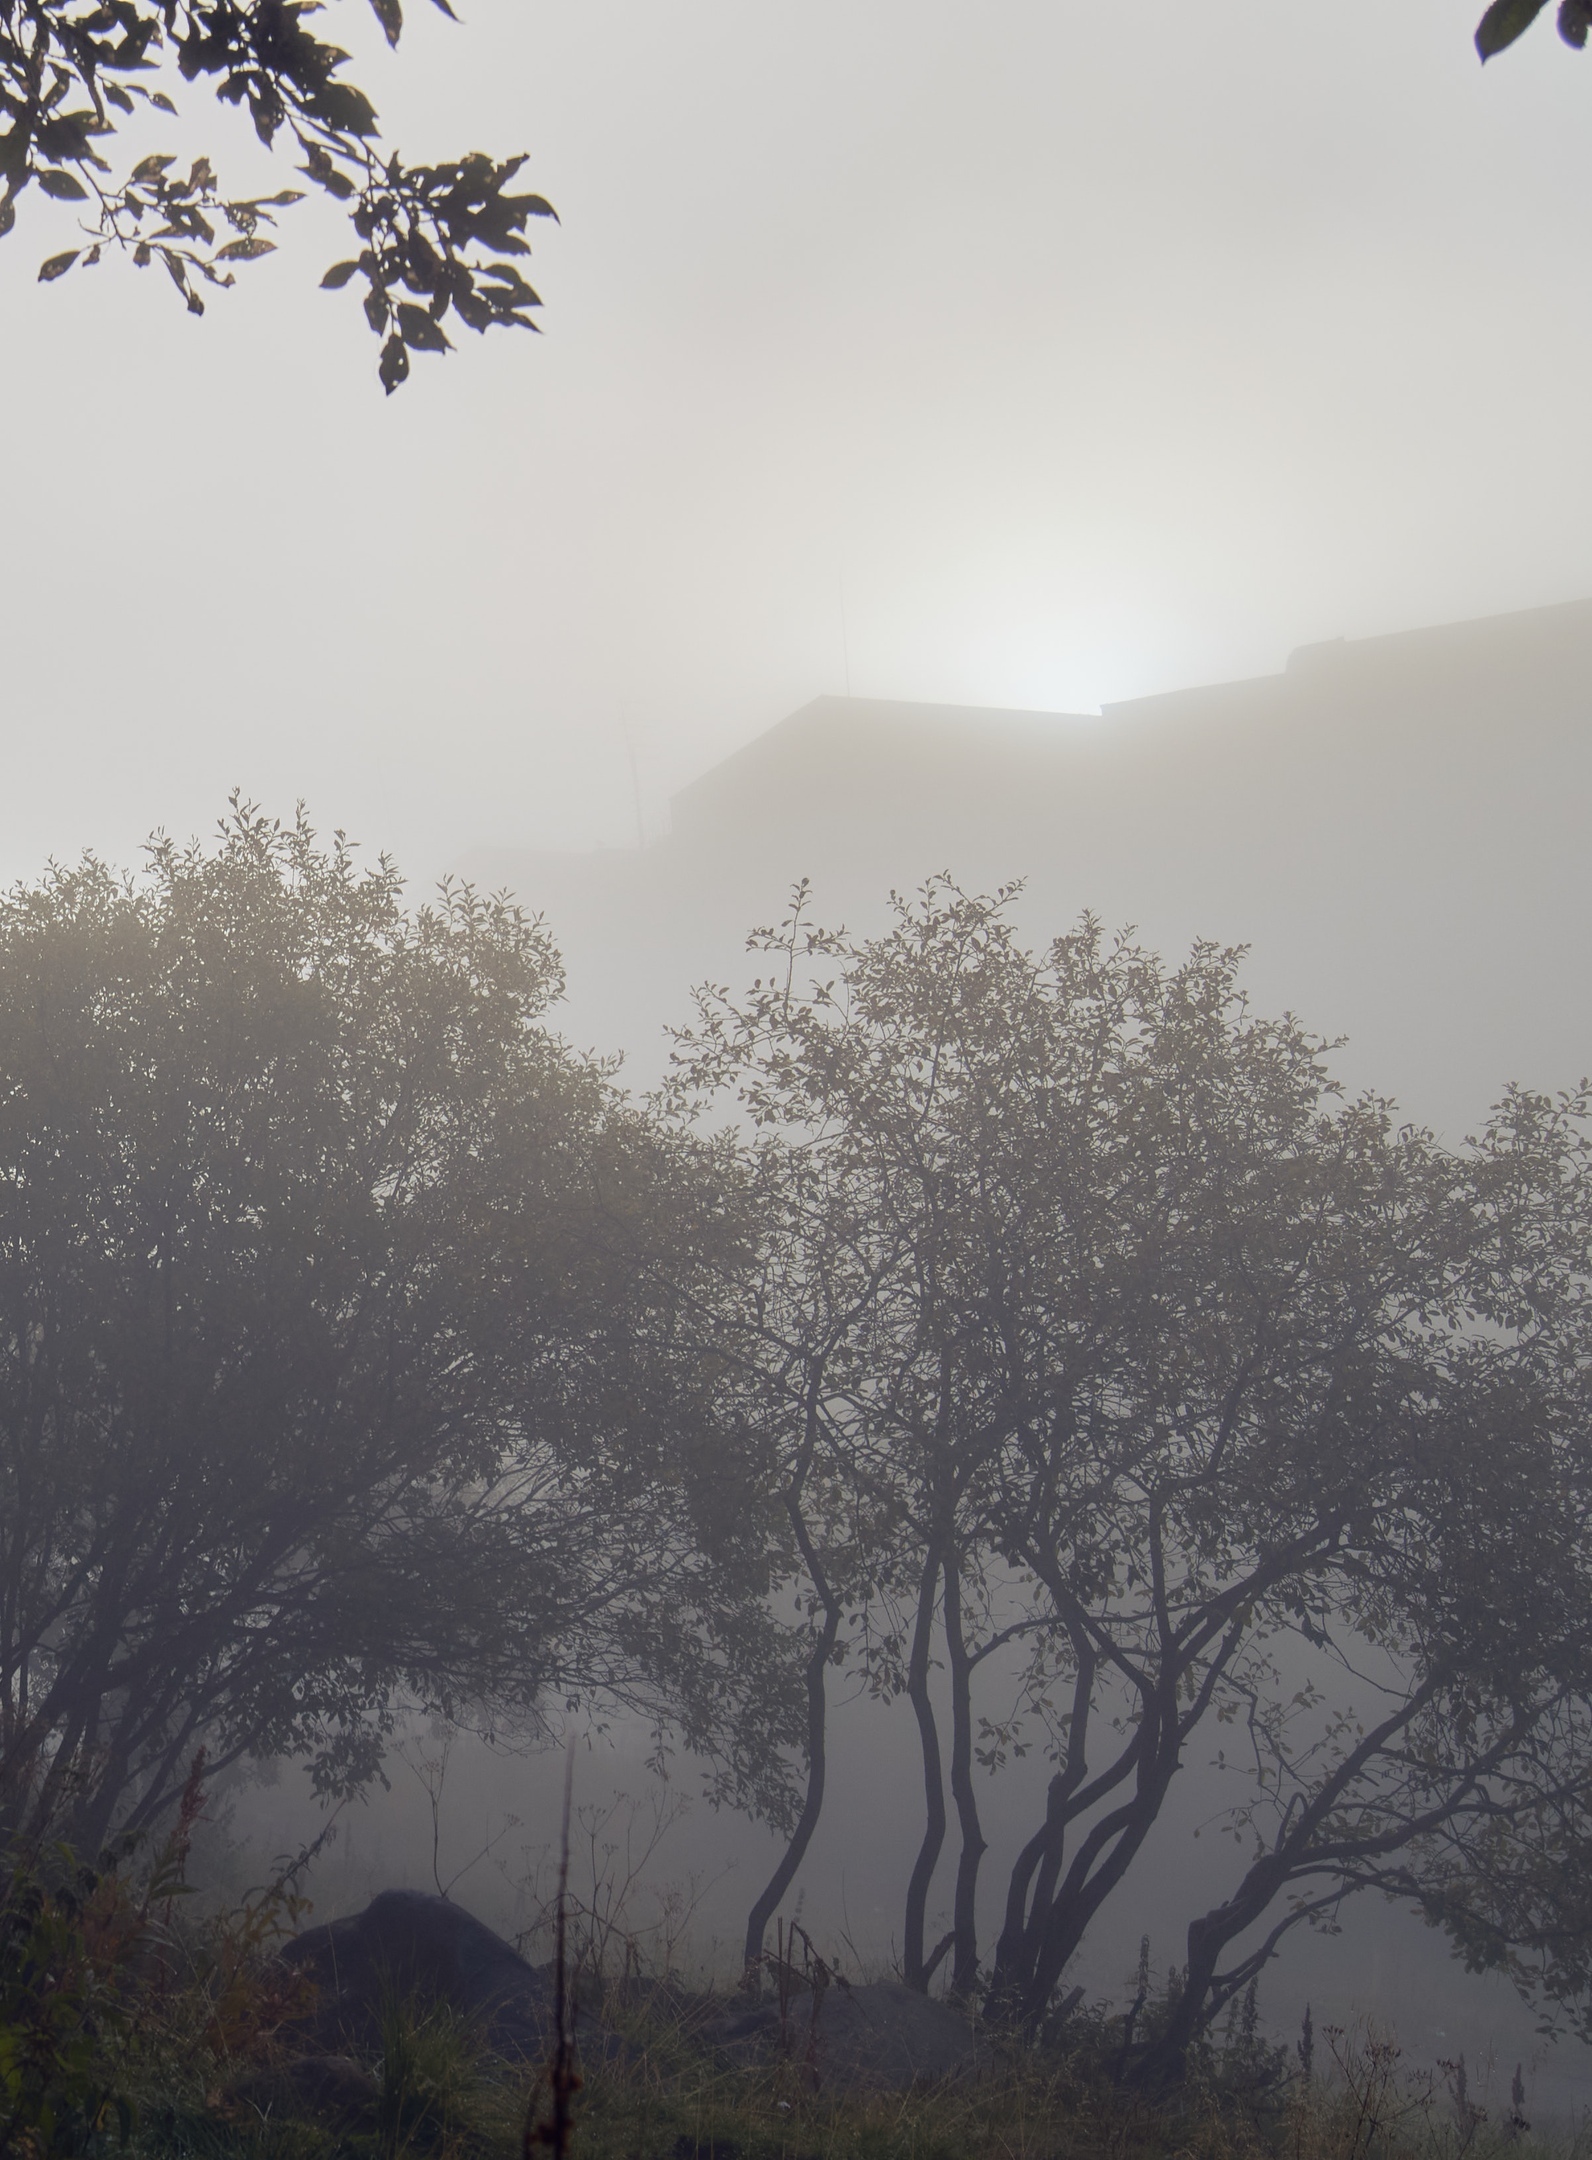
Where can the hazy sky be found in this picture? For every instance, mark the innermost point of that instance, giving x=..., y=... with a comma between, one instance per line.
x=1090, y=350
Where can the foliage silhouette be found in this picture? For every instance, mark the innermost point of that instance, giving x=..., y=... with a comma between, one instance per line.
x=1100, y=1334
x=435, y=241
x=341, y=1357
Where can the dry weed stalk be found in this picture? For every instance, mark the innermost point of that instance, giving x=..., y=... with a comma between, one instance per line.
x=563, y=2077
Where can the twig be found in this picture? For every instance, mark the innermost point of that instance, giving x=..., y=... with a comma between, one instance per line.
x=562, y=2076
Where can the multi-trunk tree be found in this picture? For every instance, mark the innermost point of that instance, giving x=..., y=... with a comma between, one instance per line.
x=1213, y=1411
x=342, y=1346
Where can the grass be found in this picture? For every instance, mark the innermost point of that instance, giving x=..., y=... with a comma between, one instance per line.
x=126, y=2030
x=441, y=2099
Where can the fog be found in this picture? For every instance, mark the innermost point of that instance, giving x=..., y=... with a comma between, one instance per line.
x=1393, y=826
x=1085, y=352
x=984, y=375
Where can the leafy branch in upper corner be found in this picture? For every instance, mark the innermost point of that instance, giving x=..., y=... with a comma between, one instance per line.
x=435, y=238
x=1507, y=20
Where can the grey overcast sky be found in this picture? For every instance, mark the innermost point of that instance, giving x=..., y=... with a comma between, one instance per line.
x=1088, y=350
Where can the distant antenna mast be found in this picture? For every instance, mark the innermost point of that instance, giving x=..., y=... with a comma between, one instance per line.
x=845, y=642
x=635, y=784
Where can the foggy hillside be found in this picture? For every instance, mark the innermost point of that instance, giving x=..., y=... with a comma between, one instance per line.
x=1394, y=826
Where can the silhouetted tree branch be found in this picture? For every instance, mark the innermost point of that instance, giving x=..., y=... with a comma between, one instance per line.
x=437, y=244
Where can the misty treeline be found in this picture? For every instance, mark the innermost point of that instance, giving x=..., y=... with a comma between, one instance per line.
x=1039, y=1339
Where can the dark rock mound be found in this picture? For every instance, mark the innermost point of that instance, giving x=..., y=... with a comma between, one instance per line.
x=424, y=1952
x=882, y=2036
x=410, y=1947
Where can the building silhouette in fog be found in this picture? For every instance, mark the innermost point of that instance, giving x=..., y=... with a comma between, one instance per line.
x=1395, y=826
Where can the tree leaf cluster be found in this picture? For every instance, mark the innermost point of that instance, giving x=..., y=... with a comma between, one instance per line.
x=436, y=240
x=342, y=1359
x=1507, y=20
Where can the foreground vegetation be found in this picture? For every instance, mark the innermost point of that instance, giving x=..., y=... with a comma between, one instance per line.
x=1028, y=2111
x=129, y=2026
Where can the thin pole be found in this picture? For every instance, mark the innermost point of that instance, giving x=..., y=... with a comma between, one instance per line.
x=554, y=2135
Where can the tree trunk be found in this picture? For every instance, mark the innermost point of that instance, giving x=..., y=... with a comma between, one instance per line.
x=964, y=1912
x=917, y=1969
x=1062, y=1928
x=1057, y=1922
x=1161, y=2064
x=813, y=1800
x=817, y=1692
x=1015, y=1951
x=1045, y=1850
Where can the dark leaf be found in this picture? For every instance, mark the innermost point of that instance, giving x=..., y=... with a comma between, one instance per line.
x=285, y=195
x=245, y=250
x=507, y=287
x=443, y=4
x=417, y=329
x=427, y=272
x=394, y=364
x=159, y=97
x=266, y=113
x=1503, y=22
x=57, y=266
x=376, y=309
x=151, y=168
x=63, y=187
x=341, y=106
x=338, y=276
x=390, y=14
x=1574, y=21
x=92, y=257
x=118, y=97
x=325, y=174
x=8, y=216
x=66, y=135
x=474, y=309
x=178, y=273
x=141, y=254
x=420, y=331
